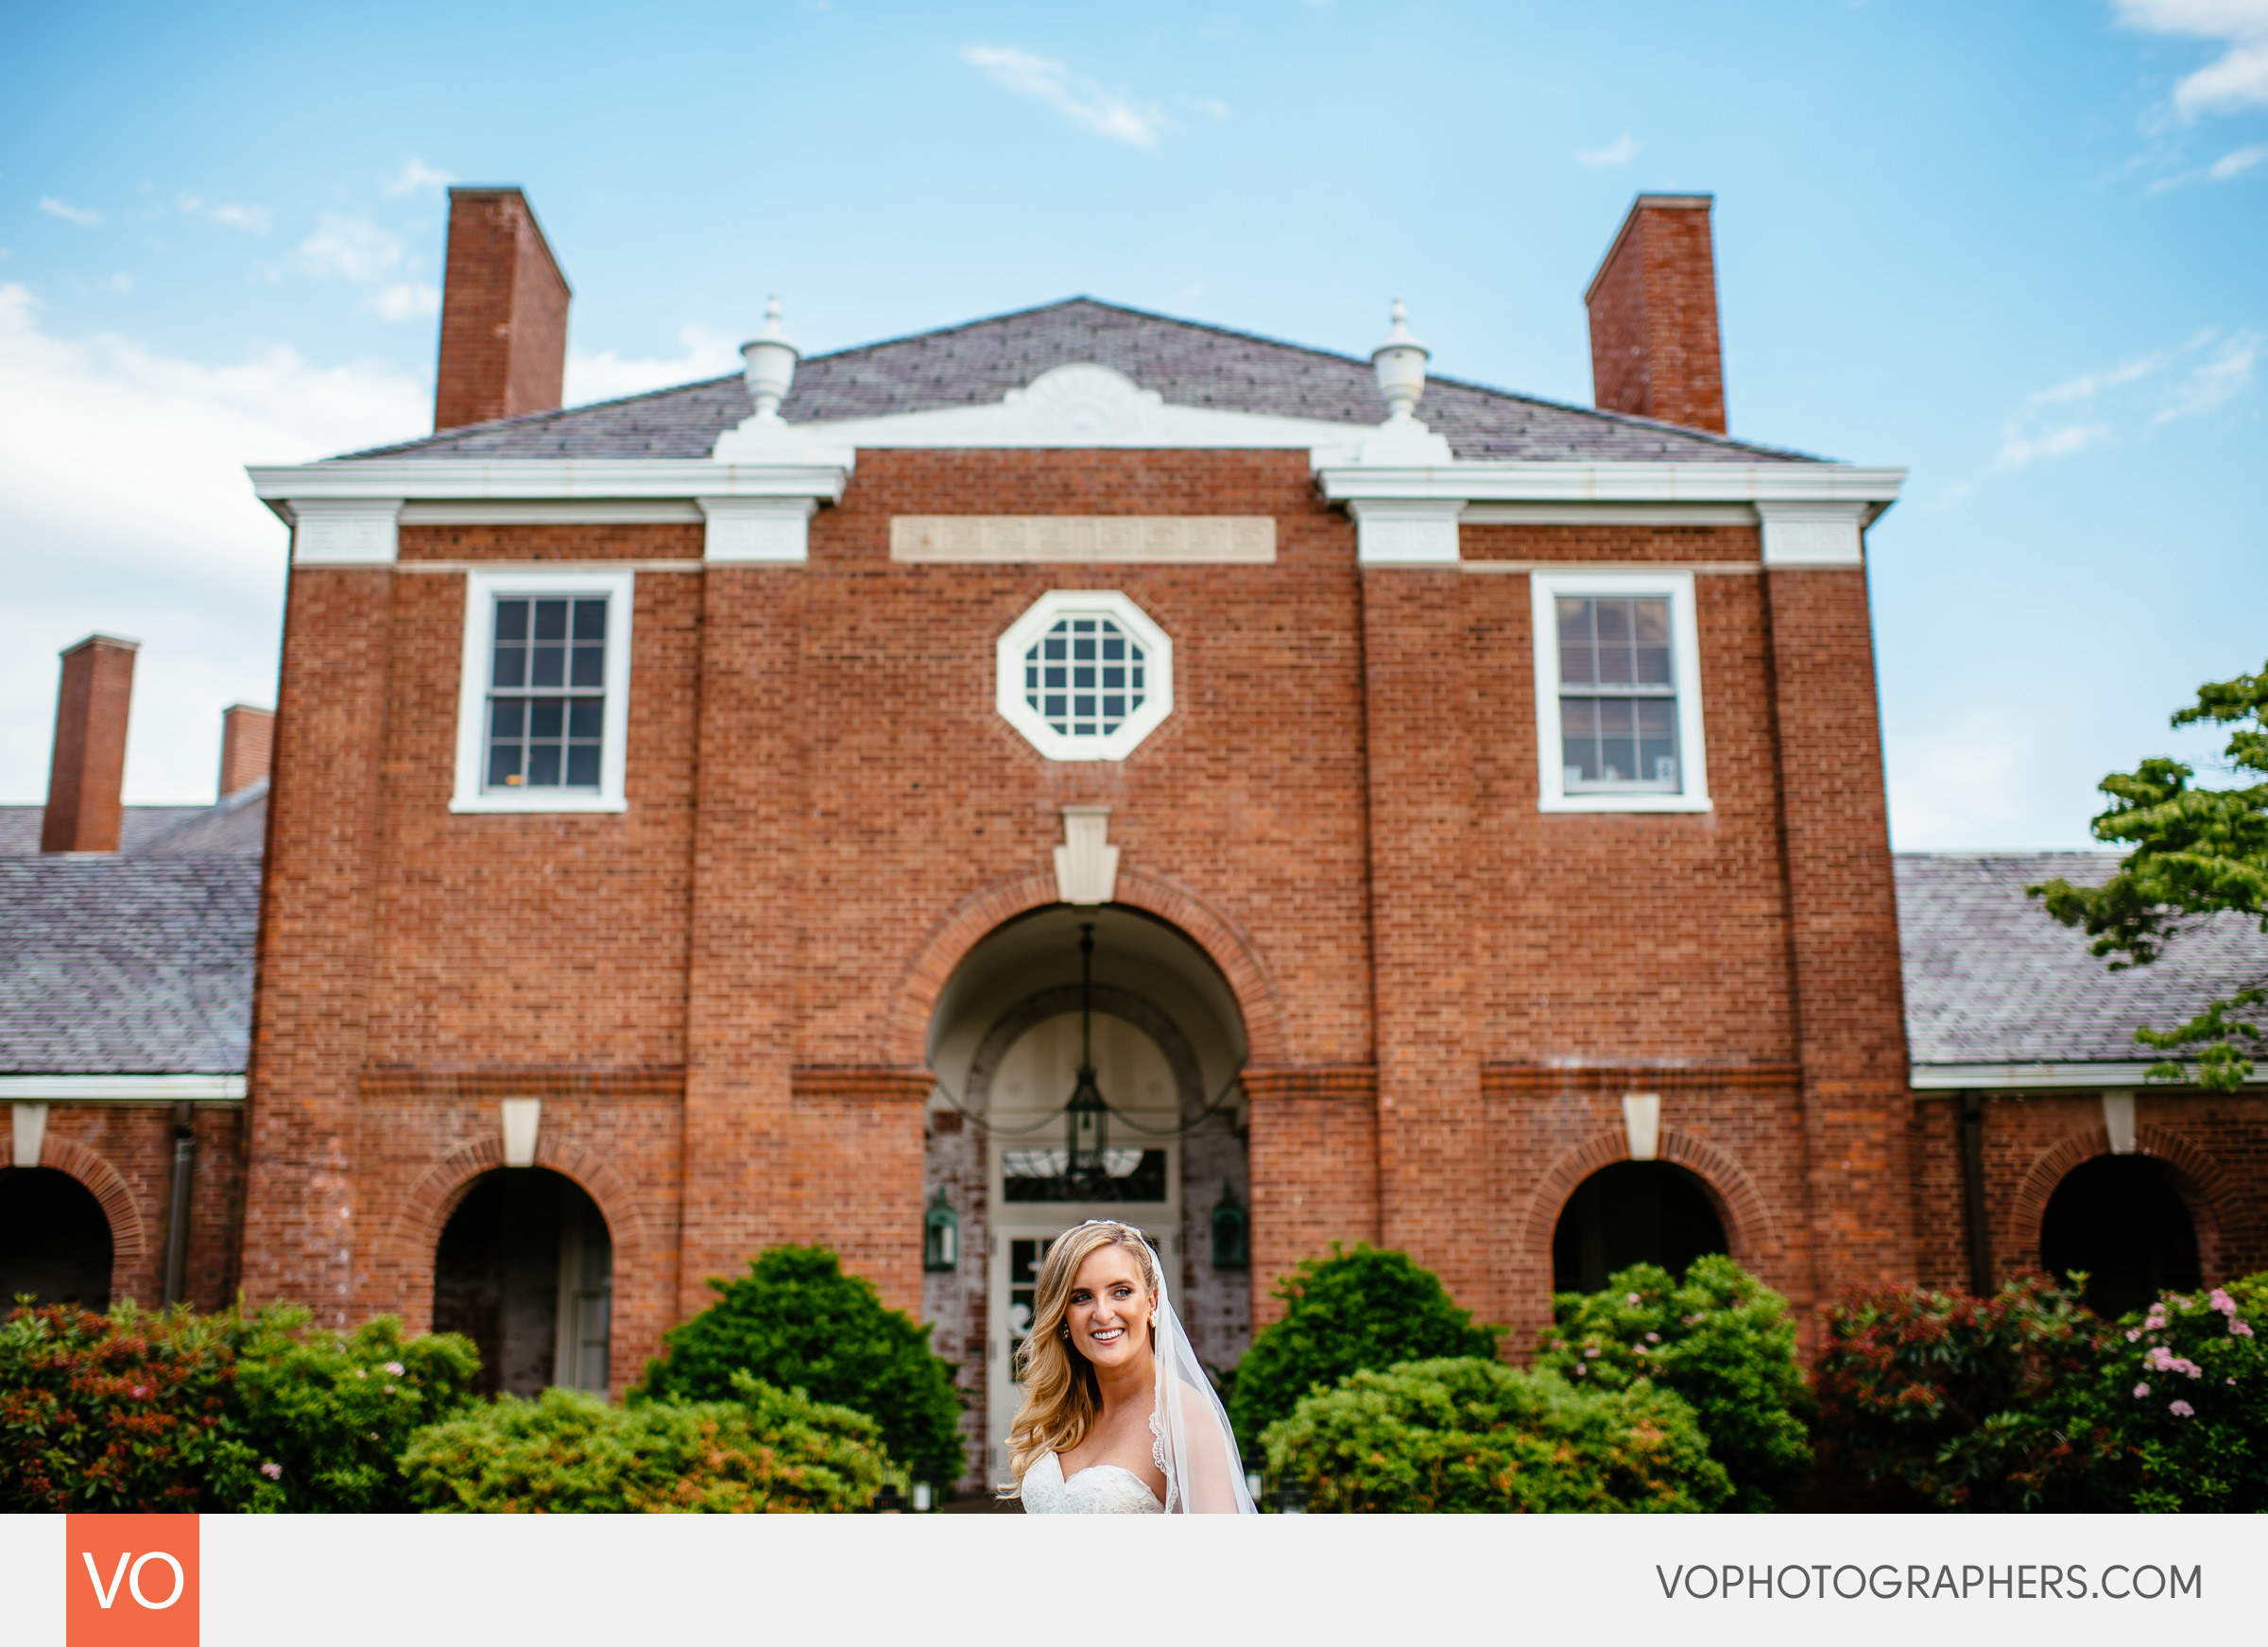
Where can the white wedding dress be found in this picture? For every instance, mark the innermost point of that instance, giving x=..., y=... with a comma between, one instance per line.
x=1100, y=1489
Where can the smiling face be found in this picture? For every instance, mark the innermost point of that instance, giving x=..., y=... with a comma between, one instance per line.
x=1108, y=1311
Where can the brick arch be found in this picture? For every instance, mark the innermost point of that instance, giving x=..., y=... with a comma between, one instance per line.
x=2198, y=1179
x=129, y=1235
x=968, y=922
x=1739, y=1204
x=434, y=1197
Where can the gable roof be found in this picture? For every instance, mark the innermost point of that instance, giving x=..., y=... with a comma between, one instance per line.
x=1990, y=979
x=137, y=962
x=1186, y=363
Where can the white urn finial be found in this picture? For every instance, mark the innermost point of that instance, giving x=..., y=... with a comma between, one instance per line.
x=771, y=363
x=1399, y=362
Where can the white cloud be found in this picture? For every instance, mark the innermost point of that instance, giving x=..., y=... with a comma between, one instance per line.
x=121, y=283
x=2216, y=381
x=2235, y=162
x=2090, y=384
x=606, y=376
x=409, y=300
x=251, y=219
x=1077, y=100
x=2019, y=450
x=353, y=248
x=85, y=216
x=183, y=557
x=415, y=175
x=1621, y=152
x=2236, y=79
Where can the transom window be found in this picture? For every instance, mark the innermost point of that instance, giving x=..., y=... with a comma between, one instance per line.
x=547, y=693
x=543, y=711
x=1618, y=695
x=1085, y=676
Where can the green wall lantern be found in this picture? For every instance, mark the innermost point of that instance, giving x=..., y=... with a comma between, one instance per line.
x=1231, y=1233
x=940, y=1236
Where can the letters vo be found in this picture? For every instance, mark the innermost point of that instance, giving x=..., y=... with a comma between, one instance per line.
x=130, y=1581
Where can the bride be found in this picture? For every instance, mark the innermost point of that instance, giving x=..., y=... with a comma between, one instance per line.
x=1117, y=1415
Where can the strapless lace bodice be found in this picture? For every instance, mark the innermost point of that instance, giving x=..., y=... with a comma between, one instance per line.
x=1100, y=1489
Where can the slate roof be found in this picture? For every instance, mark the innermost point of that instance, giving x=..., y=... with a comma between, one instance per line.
x=1187, y=363
x=138, y=962
x=1991, y=979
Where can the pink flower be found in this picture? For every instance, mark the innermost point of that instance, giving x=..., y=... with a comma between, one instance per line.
x=2133, y=1334
x=139, y=1392
x=2220, y=1300
x=2140, y=1390
x=389, y=1389
x=273, y=1471
x=1592, y=1352
x=2240, y=1328
x=2182, y=1410
x=1632, y=1301
x=394, y=1367
x=362, y=1372
x=1653, y=1338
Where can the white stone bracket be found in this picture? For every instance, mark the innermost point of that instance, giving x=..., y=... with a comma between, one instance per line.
x=1642, y=1124
x=31, y=1132
x=775, y=530
x=1086, y=863
x=522, y=1117
x=2118, y=1120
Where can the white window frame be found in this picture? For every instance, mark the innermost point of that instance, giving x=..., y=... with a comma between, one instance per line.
x=1547, y=588
x=481, y=591
x=1022, y=635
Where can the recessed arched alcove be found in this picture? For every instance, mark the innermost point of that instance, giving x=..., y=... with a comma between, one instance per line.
x=55, y=1239
x=525, y=1270
x=1166, y=1041
x=1633, y=1212
x=2122, y=1221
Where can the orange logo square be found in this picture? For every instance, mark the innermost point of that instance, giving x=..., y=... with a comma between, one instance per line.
x=130, y=1581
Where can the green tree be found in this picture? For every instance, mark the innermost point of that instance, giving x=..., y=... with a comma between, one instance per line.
x=795, y=1321
x=1720, y=1339
x=2197, y=853
x=1352, y=1311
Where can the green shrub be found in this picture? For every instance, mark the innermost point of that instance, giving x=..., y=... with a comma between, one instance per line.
x=329, y=1416
x=2182, y=1390
x=1720, y=1340
x=130, y=1411
x=1352, y=1311
x=1473, y=1435
x=567, y=1451
x=797, y=1321
x=1939, y=1401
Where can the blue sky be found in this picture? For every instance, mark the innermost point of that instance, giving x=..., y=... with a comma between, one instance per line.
x=2019, y=249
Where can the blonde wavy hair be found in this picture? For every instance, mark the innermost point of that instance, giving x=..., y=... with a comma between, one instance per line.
x=1060, y=1396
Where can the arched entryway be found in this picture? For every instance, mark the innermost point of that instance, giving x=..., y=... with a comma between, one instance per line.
x=525, y=1270
x=1166, y=1040
x=1633, y=1212
x=2122, y=1221
x=55, y=1239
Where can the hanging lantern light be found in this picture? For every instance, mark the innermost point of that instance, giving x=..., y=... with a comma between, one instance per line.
x=1231, y=1233
x=940, y=1235
x=1087, y=1131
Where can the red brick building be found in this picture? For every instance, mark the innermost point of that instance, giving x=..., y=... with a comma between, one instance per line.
x=687, y=810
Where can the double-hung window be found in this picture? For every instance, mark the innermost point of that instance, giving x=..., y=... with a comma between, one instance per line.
x=1617, y=693
x=542, y=708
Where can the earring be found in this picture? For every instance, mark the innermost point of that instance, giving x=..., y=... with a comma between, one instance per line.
x=1067, y=1332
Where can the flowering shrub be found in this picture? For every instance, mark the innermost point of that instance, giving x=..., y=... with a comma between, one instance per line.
x=130, y=1411
x=1473, y=1435
x=329, y=1416
x=797, y=1321
x=1720, y=1340
x=120, y=1411
x=770, y=1449
x=2183, y=1387
x=1940, y=1400
x=1365, y=1310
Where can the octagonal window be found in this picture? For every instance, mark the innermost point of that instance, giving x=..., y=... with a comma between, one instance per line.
x=1085, y=674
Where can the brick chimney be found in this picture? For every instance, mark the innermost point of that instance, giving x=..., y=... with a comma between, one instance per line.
x=247, y=735
x=503, y=312
x=1654, y=349
x=83, y=784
